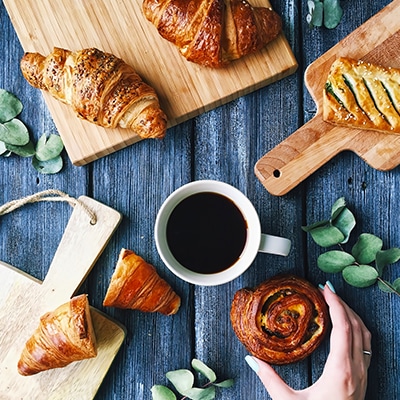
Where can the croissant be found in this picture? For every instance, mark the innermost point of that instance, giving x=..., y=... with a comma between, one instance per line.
x=64, y=335
x=135, y=284
x=362, y=95
x=100, y=88
x=213, y=32
x=281, y=321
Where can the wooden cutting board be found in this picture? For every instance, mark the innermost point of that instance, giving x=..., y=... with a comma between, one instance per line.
x=118, y=26
x=24, y=299
x=315, y=143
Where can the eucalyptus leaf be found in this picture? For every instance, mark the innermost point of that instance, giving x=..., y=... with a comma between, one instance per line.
x=386, y=257
x=14, y=132
x=366, y=247
x=318, y=224
x=225, y=384
x=160, y=392
x=201, y=394
x=338, y=206
x=345, y=222
x=48, y=147
x=27, y=150
x=332, y=13
x=48, y=167
x=182, y=379
x=317, y=14
x=334, y=261
x=10, y=106
x=199, y=366
x=327, y=236
x=396, y=285
x=360, y=276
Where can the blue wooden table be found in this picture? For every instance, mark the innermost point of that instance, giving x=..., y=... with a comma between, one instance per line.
x=222, y=144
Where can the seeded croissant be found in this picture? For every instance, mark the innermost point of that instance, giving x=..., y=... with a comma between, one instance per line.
x=136, y=285
x=100, y=87
x=213, y=32
x=63, y=336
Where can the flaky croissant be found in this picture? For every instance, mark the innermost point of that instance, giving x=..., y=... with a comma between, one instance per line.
x=213, y=32
x=100, y=87
x=135, y=284
x=281, y=321
x=64, y=335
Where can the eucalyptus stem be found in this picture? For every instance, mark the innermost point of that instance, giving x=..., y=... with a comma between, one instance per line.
x=388, y=285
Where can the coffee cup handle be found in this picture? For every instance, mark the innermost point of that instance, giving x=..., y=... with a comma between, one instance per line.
x=274, y=245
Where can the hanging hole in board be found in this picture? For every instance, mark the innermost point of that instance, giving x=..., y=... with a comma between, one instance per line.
x=277, y=173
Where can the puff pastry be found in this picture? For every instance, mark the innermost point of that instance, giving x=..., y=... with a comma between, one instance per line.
x=281, y=321
x=213, y=32
x=135, y=284
x=100, y=87
x=63, y=336
x=362, y=95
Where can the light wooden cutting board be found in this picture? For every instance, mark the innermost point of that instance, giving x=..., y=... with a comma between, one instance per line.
x=315, y=143
x=24, y=299
x=119, y=26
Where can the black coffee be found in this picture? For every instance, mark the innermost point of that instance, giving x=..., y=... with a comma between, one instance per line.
x=206, y=232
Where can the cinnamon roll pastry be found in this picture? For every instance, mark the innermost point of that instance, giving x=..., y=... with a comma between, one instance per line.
x=281, y=321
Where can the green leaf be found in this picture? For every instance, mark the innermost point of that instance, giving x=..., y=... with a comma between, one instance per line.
x=345, y=222
x=318, y=224
x=24, y=151
x=386, y=257
x=201, y=394
x=316, y=13
x=360, y=276
x=366, y=247
x=3, y=147
x=48, y=147
x=160, y=392
x=14, y=132
x=385, y=286
x=10, y=106
x=332, y=13
x=327, y=236
x=334, y=261
x=225, y=384
x=182, y=379
x=48, y=167
x=199, y=366
x=338, y=206
x=396, y=285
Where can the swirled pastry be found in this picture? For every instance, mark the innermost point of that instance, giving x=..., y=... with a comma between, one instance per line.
x=362, y=95
x=281, y=321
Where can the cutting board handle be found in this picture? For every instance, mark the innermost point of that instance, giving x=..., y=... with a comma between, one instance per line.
x=301, y=154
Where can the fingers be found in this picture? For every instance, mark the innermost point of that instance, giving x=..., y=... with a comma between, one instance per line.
x=274, y=384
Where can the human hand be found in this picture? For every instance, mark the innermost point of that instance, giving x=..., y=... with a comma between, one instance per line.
x=345, y=373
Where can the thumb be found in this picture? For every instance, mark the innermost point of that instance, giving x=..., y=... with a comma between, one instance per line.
x=275, y=385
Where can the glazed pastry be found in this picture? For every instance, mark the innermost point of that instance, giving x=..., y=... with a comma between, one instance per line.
x=135, y=284
x=213, y=32
x=64, y=335
x=100, y=88
x=362, y=95
x=281, y=321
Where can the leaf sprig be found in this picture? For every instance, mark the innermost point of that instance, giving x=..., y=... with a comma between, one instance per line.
x=14, y=138
x=183, y=381
x=355, y=264
x=324, y=12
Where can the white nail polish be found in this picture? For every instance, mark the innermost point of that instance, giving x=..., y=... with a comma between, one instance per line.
x=252, y=363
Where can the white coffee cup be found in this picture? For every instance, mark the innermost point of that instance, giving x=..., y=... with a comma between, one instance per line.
x=255, y=240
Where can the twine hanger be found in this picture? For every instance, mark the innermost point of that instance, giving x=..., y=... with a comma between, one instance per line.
x=47, y=195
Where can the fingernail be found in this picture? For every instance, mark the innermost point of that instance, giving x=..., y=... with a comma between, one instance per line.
x=252, y=363
x=330, y=286
x=321, y=286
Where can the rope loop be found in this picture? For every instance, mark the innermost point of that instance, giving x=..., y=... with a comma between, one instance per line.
x=47, y=195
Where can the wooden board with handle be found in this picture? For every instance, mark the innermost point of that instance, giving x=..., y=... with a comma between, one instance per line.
x=315, y=143
x=23, y=299
x=119, y=27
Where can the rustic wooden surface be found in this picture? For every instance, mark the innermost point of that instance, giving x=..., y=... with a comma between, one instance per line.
x=182, y=95
x=223, y=144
